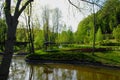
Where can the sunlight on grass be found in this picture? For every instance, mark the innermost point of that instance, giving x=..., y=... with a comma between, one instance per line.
x=111, y=57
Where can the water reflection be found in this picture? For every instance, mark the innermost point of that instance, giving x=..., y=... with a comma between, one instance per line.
x=21, y=71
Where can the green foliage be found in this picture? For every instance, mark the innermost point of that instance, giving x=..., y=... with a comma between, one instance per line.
x=91, y=35
x=85, y=31
x=21, y=34
x=107, y=19
x=39, y=38
x=99, y=35
x=63, y=37
x=109, y=15
x=116, y=33
x=70, y=36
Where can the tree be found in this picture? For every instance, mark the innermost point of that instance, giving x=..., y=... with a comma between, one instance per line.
x=39, y=38
x=116, y=33
x=56, y=22
x=104, y=18
x=70, y=35
x=63, y=37
x=46, y=30
x=99, y=36
x=21, y=33
x=12, y=22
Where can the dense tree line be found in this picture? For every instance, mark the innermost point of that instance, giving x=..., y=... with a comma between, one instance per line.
x=12, y=21
x=107, y=23
x=107, y=20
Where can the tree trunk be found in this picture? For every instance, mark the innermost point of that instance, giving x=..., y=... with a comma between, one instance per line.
x=9, y=44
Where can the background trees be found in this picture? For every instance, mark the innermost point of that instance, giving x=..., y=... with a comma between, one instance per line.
x=56, y=24
x=105, y=20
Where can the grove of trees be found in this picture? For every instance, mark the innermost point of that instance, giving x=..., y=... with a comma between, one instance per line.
x=107, y=27
x=107, y=23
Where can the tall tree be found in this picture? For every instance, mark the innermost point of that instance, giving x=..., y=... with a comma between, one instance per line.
x=56, y=22
x=99, y=36
x=12, y=22
x=45, y=18
x=70, y=35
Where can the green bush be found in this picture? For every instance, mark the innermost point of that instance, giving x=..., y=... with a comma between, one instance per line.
x=116, y=33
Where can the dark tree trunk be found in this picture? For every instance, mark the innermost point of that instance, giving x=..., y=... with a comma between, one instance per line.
x=12, y=22
x=9, y=44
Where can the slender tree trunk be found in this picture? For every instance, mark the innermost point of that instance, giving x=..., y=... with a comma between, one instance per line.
x=9, y=44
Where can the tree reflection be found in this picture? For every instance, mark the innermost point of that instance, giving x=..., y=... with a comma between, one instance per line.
x=19, y=70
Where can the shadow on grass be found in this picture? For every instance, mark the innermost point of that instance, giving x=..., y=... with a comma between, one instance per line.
x=107, y=59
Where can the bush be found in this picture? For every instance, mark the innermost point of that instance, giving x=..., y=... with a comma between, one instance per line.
x=116, y=33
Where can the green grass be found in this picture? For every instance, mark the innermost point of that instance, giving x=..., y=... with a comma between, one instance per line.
x=40, y=52
x=109, y=58
x=60, y=55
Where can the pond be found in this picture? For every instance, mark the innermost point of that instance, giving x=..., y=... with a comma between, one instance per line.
x=20, y=70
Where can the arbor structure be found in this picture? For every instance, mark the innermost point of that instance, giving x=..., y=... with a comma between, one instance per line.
x=12, y=22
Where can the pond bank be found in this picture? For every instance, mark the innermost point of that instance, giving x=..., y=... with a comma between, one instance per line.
x=75, y=58
x=93, y=64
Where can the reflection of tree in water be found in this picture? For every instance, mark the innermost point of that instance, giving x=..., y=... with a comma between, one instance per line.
x=46, y=73
x=18, y=70
x=21, y=71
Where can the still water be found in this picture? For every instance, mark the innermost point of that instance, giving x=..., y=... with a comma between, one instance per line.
x=20, y=70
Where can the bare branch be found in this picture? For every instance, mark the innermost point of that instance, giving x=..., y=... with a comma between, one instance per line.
x=84, y=1
x=24, y=6
x=74, y=5
x=92, y=3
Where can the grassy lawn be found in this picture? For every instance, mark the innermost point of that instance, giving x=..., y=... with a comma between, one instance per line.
x=108, y=57
x=59, y=55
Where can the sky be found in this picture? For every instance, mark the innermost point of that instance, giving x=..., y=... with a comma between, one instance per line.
x=70, y=15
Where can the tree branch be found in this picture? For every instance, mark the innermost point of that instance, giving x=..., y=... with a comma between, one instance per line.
x=23, y=7
x=84, y=1
x=92, y=3
x=17, y=7
x=74, y=5
x=7, y=10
